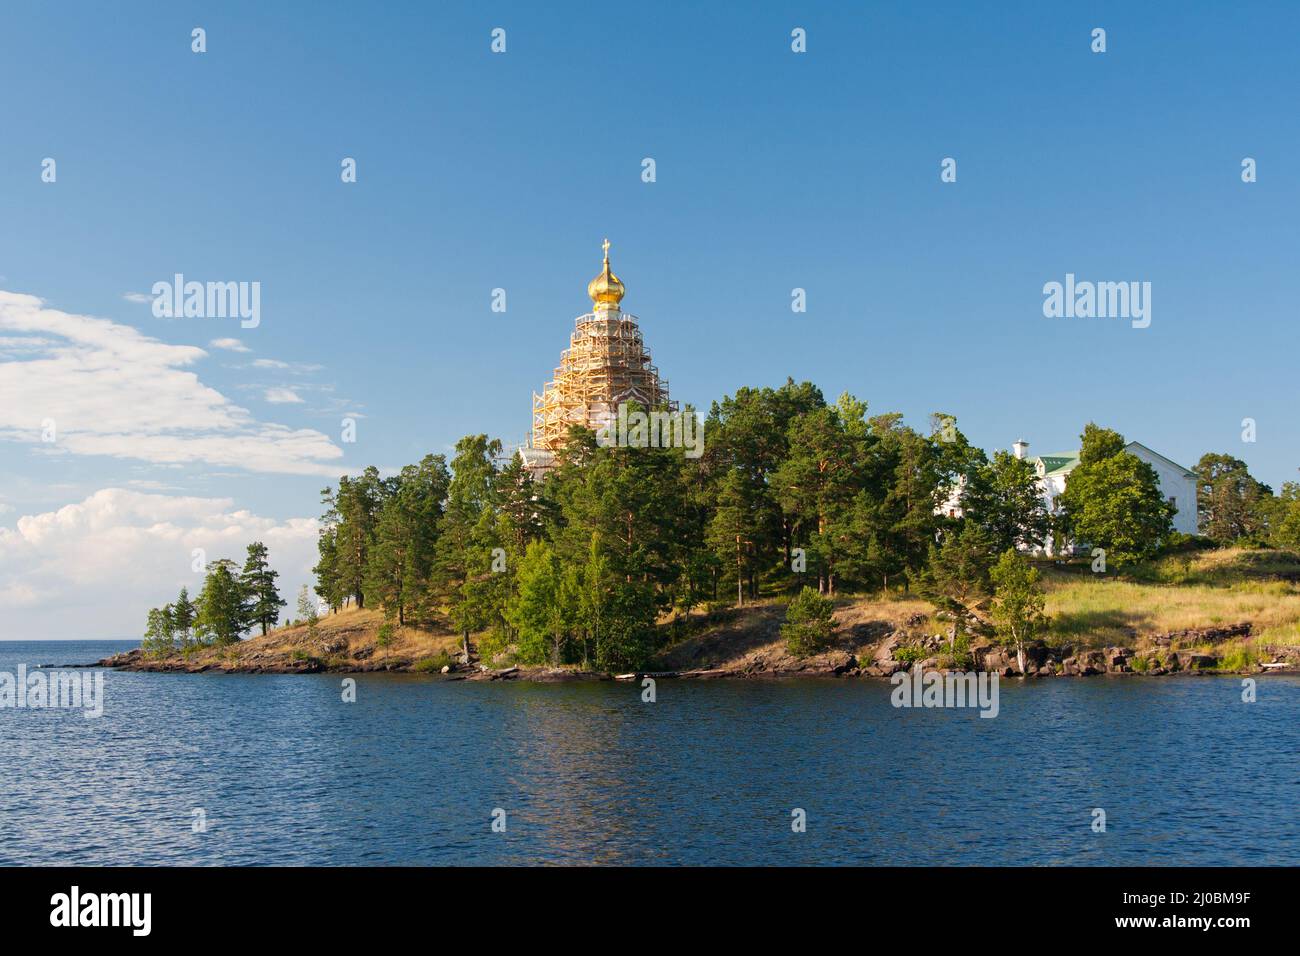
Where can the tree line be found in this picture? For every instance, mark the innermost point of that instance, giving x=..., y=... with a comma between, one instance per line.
x=790, y=490
x=231, y=602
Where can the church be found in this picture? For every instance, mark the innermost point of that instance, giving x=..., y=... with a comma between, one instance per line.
x=606, y=364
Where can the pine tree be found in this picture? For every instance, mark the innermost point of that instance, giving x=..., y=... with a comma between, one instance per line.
x=347, y=534
x=260, y=601
x=402, y=556
x=220, y=607
x=736, y=531
x=1231, y=505
x=183, y=612
x=818, y=482
x=466, y=536
x=328, y=582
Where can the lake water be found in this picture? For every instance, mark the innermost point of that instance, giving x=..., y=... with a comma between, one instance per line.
x=411, y=773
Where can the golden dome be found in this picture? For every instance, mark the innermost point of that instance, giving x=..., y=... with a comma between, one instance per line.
x=606, y=290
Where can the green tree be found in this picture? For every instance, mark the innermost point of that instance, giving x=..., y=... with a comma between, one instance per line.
x=746, y=439
x=220, y=608
x=808, y=623
x=1112, y=500
x=401, y=557
x=635, y=503
x=1098, y=444
x=956, y=576
x=905, y=467
x=347, y=534
x=1018, y=603
x=183, y=612
x=261, y=601
x=307, y=611
x=614, y=616
x=1231, y=506
x=818, y=482
x=1004, y=498
x=329, y=583
x=734, y=529
x=467, y=535
x=1285, y=522
x=159, y=639
x=544, y=612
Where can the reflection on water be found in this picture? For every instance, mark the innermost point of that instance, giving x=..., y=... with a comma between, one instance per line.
x=287, y=773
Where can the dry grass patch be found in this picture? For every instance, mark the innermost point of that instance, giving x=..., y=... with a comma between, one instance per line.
x=1201, y=589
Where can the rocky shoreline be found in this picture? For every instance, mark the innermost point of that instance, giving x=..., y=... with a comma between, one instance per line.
x=1177, y=652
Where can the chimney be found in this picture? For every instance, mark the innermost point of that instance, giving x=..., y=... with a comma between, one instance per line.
x=1020, y=447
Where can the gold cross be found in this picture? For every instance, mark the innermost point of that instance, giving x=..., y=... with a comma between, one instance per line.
x=605, y=245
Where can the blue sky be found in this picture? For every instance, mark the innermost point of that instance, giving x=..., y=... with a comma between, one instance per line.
x=775, y=170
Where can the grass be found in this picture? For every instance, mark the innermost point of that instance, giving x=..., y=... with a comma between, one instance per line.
x=1204, y=589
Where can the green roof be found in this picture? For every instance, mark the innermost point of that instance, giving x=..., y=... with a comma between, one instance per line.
x=1059, y=463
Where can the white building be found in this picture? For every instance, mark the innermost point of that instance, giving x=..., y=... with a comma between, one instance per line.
x=1176, y=482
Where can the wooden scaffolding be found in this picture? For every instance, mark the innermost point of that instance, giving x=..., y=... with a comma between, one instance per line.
x=606, y=364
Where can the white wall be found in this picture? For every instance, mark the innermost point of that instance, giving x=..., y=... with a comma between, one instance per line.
x=1176, y=484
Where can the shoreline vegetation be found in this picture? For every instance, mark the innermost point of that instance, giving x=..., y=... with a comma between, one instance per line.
x=807, y=537
x=1227, y=611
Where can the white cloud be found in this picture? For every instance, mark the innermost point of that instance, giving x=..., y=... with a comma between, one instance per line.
x=93, y=569
x=282, y=396
x=299, y=367
x=230, y=345
x=111, y=390
x=137, y=297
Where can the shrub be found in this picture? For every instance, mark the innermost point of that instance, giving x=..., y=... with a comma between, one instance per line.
x=808, y=626
x=1237, y=657
x=492, y=645
x=958, y=656
x=432, y=665
x=909, y=654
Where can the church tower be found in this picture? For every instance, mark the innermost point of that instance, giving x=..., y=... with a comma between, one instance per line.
x=605, y=365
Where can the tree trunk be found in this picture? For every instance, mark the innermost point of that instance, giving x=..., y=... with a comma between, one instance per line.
x=464, y=645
